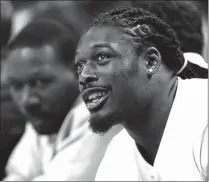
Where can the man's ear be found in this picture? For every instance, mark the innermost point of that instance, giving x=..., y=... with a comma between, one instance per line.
x=152, y=60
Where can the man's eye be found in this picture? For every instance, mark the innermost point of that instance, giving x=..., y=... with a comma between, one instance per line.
x=38, y=83
x=101, y=56
x=79, y=66
x=16, y=86
x=42, y=82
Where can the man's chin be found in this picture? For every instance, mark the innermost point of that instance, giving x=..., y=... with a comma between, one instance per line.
x=102, y=124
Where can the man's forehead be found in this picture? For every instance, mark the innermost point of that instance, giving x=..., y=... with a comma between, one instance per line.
x=26, y=70
x=44, y=54
x=28, y=61
x=103, y=35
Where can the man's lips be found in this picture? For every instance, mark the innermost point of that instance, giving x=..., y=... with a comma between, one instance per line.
x=95, y=97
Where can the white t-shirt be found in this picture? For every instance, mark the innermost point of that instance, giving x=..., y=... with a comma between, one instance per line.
x=183, y=151
x=74, y=154
x=47, y=157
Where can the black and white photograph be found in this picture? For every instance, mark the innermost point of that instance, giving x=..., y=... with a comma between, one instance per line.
x=101, y=90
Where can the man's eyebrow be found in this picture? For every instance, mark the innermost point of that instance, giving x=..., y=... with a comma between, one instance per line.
x=13, y=79
x=100, y=45
x=38, y=74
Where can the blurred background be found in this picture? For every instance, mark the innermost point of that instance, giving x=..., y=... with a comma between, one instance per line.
x=15, y=15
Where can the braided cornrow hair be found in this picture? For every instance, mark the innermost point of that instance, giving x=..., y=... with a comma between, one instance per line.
x=145, y=28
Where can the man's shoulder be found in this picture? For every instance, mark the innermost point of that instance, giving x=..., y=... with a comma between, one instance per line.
x=121, y=141
x=118, y=158
x=193, y=109
x=195, y=86
x=192, y=105
x=121, y=138
x=194, y=95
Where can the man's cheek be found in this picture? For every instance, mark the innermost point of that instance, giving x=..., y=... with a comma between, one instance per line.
x=50, y=100
x=16, y=100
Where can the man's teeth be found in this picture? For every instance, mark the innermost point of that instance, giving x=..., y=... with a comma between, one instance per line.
x=90, y=104
x=94, y=97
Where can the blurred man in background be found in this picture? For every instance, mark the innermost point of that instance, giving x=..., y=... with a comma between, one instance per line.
x=40, y=71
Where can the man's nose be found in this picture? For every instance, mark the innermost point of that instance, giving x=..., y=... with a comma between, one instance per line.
x=32, y=104
x=30, y=101
x=87, y=75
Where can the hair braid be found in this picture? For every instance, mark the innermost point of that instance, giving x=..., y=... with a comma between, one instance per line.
x=144, y=27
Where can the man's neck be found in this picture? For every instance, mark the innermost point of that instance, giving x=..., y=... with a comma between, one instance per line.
x=148, y=132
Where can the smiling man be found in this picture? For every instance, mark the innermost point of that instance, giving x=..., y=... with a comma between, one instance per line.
x=131, y=72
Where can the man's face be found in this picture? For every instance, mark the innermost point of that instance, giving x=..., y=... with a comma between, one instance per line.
x=110, y=77
x=42, y=87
